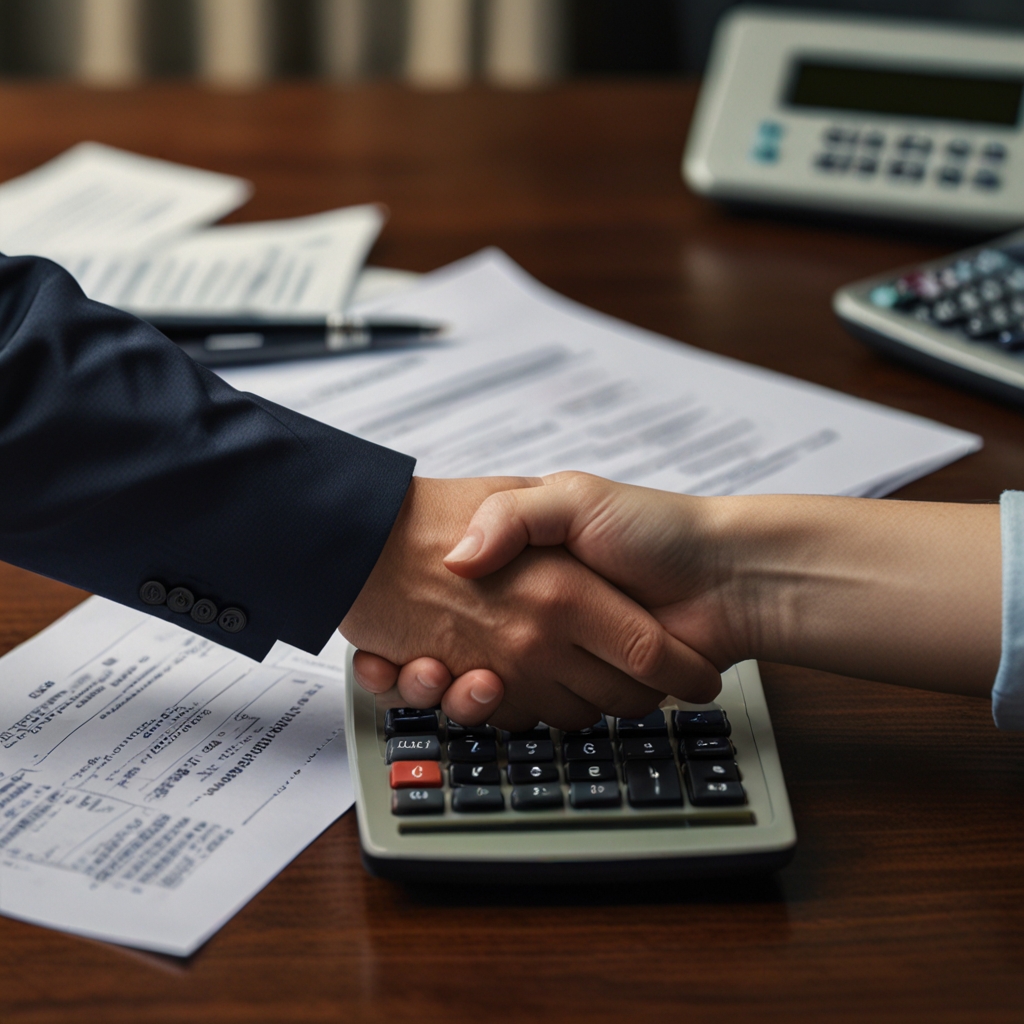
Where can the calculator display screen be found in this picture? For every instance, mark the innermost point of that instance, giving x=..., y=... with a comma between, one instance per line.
x=945, y=96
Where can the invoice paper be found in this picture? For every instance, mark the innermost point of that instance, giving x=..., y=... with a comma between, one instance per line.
x=93, y=196
x=529, y=382
x=300, y=267
x=151, y=782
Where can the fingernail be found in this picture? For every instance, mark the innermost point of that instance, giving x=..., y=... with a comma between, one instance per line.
x=466, y=548
x=427, y=684
x=482, y=693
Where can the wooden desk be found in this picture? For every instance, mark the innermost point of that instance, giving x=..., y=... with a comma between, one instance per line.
x=904, y=901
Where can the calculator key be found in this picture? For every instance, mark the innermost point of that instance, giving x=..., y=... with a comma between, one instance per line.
x=990, y=290
x=872, y=140
x=587, y=795
x=409, y=721
x=475, y=732
x=994, y=151
x=713, y=793
x=477, y=799
x=542, y=797
x=417, y=801
x=958, y=149
x=1014, y=281
x=474, y=775
x=653, y=784
x=885, y=296
x=523, y=774
x=970, y=301
x=979, y=327
x=1017, y=306
x=715, y=771
x=523, y=751
x=950, y=175
x=412, y=748
x=637, y=747
x=987, y=180
x=1012, y=340
x=908, y=169
x=711, y=747
x=915, y=144
x=599, y=728
x=472, y=751
x=866, y=165
x=701, y=723
x=836, y=136
x=416, y=774
x=988, y=261
x=587, y=750
x=833, y=162
x=946, y=311
x=590, y=771
x=1001, y=316
x=650, y=725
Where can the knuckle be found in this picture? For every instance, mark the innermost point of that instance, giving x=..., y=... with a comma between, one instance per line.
x=644, y=650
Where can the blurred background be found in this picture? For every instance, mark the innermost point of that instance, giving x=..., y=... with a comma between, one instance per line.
x=429, y=43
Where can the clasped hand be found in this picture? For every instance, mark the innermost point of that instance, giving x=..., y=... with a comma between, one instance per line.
x=564, y=597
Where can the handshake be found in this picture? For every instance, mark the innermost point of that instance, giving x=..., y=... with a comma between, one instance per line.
x=513, y=600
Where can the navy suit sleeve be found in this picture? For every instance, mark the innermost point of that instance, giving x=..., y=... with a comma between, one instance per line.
x=124, y=462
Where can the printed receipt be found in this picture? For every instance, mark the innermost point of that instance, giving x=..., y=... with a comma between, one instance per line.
x=151, y=782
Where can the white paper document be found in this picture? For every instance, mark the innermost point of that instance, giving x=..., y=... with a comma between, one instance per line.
x=529, y=382
x=151, y=782
x=302, y=267
x=93, y=197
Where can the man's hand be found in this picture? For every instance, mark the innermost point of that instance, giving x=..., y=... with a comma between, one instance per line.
x=565, y=642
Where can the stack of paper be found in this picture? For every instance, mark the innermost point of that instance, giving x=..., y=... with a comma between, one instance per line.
x=126, y=226
x=529, y=382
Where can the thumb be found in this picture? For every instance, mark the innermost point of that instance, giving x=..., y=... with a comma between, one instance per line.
x=508, y=521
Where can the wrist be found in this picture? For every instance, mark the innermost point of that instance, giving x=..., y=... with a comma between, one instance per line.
x=762, y=566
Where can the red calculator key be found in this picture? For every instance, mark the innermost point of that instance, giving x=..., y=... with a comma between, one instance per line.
x=415, y=774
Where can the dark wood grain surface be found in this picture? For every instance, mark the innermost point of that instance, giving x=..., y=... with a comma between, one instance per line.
x=904, y=901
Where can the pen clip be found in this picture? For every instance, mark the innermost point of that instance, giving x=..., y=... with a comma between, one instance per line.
x=345, y=333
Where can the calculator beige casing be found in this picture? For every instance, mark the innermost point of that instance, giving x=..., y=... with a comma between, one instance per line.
x=928, y=346
x=753, y=56
x=578, y=845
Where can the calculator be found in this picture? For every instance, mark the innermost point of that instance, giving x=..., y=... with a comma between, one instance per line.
x=960, y=317
x=868, y=116
x=689, y=790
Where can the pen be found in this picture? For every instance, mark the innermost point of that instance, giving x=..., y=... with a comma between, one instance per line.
x=221, y=340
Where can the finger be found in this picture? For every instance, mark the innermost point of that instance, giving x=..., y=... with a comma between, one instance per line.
x=506, y=522
x=607, y=689
x=473, y=697
x=373, y=673
x=422, y=682
x=618, y=631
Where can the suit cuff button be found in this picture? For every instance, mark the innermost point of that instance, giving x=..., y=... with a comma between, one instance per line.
x=180, y=600
x=204, y=611
x=153, y=592
x=232, y=620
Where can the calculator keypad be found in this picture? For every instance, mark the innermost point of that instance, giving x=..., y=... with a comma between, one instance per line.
x=658, y=762
x=979, y=297
x=910, y=158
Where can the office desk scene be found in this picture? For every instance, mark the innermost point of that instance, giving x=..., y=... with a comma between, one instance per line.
x=716, y=253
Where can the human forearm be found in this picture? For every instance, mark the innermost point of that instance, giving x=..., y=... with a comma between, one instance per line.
x=904, y=592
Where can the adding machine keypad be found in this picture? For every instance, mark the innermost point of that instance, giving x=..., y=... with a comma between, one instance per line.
x=978, y=297
x=662, y=761
x=911, y=158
